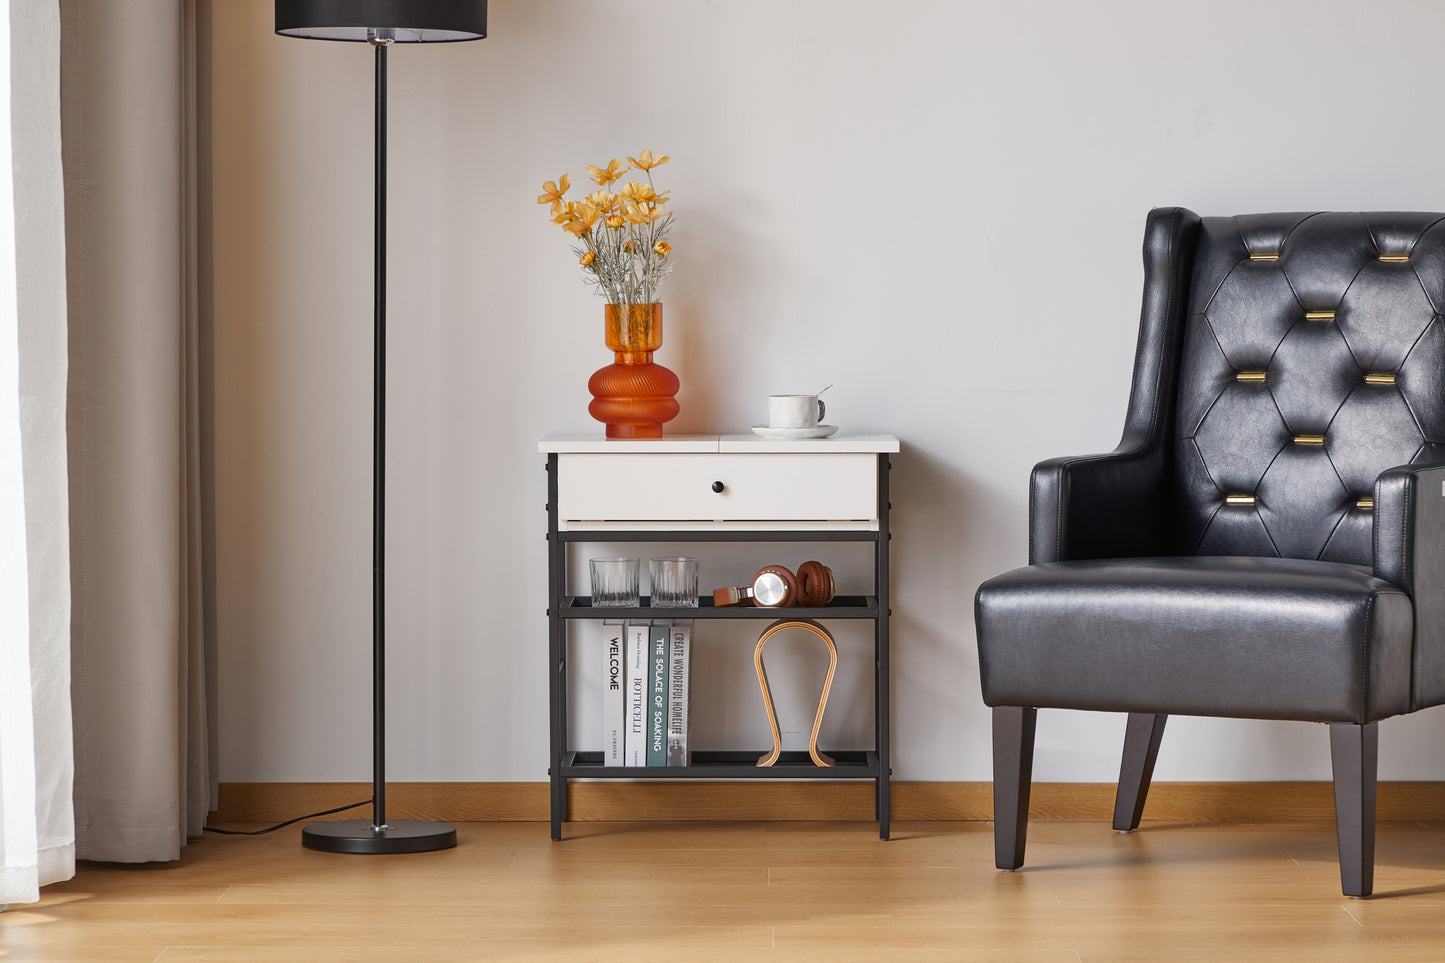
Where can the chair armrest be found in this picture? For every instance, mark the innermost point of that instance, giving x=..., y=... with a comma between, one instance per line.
x=1409, y=551
x=1112, y=506
x=1410, y=524
x=1098, y=506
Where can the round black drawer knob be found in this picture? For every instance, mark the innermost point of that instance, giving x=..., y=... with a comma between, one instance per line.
x=718, y=486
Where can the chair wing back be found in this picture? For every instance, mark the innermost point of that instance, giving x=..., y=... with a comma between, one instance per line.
x=1313, y=358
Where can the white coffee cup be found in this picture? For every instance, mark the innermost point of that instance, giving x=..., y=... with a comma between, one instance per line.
x=795, y=411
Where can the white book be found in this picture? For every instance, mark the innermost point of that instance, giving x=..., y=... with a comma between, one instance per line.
x=678, y=676
x=634, y=745
x=614, y=692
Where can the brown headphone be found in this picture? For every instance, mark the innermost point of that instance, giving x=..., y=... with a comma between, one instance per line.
x=776, y=587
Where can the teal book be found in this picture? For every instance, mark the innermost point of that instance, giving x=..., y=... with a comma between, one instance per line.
x=658, y=662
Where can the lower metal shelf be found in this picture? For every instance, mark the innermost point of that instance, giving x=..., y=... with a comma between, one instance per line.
x=851, y=764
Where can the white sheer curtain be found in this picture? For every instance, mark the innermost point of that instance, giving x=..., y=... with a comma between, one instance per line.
x=37, y=835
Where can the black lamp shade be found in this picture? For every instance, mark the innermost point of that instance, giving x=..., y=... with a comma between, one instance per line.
x=414, y=21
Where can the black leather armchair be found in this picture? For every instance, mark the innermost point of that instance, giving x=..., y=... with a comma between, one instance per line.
x=1268, y=540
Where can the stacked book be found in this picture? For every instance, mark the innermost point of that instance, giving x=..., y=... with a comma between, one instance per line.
x=646, y=692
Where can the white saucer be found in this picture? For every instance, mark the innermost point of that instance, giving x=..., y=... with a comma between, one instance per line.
x=793, y=434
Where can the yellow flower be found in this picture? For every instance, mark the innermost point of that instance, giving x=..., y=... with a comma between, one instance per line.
x=582, y=219
x=602, y=200
x=563, y=211
x=639, y=193
x=644, y=161
x=642, y=214
x=614, y=220
x=661, y=249
x=587, y=259
x=552, y=192
x=627, y=246
x=604, y=176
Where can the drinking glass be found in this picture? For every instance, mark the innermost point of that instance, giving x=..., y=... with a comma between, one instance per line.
x=614, y=582
x=674, y=581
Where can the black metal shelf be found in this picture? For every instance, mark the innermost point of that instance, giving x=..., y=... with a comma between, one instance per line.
x=713, y=535
x=730, y=764
x=842, y=607
x=564, y=610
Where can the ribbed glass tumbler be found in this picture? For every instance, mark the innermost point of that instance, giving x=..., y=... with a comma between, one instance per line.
x=674, y=581
x=614, y=582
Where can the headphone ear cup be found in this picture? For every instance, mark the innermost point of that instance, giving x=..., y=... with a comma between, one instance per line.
x=790, y=585
x=815, y=584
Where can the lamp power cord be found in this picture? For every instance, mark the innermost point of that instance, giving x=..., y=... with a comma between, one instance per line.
x=272, y=829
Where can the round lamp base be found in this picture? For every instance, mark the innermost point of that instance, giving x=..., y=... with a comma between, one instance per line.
x=359, y=836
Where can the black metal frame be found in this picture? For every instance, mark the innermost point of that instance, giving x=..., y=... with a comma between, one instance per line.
x=565, y=763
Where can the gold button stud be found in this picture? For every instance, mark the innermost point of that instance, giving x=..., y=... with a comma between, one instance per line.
x=1309, y=439
x=1239, y=499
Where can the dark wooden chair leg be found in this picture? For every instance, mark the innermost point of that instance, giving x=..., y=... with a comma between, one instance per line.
x=1013, y=767
x=1354, y=753
x=1141, y=748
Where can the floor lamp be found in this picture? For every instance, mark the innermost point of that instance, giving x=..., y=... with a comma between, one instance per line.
x=380, y=23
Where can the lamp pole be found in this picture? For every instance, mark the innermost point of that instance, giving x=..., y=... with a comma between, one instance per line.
x=381, y=39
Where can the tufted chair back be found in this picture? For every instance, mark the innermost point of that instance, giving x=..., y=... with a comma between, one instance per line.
x=1313, y=358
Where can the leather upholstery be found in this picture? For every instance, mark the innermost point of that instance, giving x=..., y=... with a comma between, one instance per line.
x=1265, y=638
x=1290, y=367
x=1369, y=317
x=1410, y=553
x=1071, y=499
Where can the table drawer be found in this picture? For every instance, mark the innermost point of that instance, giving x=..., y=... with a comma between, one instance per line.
x=755, y=487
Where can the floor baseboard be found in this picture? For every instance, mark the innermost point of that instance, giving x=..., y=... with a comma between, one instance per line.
x=649, y=801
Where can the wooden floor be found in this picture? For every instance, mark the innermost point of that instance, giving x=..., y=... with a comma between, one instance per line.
x=756, y=892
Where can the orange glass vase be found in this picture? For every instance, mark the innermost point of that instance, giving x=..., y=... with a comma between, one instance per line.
x=633, y=396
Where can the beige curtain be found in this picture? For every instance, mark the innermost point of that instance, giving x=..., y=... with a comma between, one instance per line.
x=132, y=77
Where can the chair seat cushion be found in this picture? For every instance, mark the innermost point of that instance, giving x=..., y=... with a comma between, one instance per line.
x=1266, y=638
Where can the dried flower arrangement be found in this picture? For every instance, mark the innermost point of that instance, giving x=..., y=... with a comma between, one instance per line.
x=628, y=256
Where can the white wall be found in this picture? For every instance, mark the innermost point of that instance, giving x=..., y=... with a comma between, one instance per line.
x=936, y=206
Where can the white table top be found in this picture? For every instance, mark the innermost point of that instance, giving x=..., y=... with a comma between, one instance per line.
x=597, y=443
